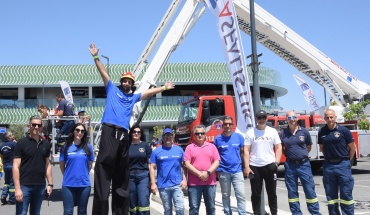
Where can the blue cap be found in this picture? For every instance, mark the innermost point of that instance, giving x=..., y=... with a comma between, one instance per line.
x=80, y=111
x=167, y=130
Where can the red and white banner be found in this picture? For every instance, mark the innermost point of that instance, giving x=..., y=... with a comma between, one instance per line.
x=309, y=96
x=66, y=91
x=228, y=29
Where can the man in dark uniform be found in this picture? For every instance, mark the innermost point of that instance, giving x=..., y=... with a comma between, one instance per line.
x=112, y=163
x=337, y=144
x=6, y=155
x=296, y=146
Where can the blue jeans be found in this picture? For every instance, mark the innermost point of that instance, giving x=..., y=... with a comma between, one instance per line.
x=174, y=194
x=139, y=193
x=195, y=196
x=75, y=196
x=67, y=126
x=32, y=196
x=8, y=188
x=237, y=179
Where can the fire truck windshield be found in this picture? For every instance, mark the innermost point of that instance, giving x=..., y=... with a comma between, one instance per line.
x=189, y=112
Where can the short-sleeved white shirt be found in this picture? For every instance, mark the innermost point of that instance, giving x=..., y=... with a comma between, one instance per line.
x=262, y=144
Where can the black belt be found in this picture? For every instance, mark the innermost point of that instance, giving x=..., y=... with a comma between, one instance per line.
x=337, y=160
x=137, y=171
x=113, y=126
x=297, y=161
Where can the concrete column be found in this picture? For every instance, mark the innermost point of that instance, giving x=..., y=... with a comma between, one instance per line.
x=146, y=133
x=159, y=99
x=224, y=89
x=21, y=97
x=90, y=96
x=275, y=99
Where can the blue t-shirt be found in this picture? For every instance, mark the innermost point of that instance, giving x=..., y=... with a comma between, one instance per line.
x=296, y=145
x=7, y=150
x=76, y=173
x=229, y=149
x=168, y=161
x=66, y=107
x=335, y=142
x=119, y=105
x=139, y=155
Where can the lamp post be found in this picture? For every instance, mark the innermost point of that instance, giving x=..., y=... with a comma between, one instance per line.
x=256, y=87
x=43, y=93
x=107, y=58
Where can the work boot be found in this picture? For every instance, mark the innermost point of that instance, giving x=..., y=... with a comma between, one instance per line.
x=3, y=200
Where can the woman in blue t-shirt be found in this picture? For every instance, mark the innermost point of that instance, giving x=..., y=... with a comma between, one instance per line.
x=139, y=154
x=76, y=158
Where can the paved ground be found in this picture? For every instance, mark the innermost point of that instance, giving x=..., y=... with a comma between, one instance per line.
x=361, y=195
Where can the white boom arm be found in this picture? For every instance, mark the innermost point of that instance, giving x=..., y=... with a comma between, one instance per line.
x=270, y=32
x=143, y=59
x=284, y=42
x=175, y=34
x=183, y=23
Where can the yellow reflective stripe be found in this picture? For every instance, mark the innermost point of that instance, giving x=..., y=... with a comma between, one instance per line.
x=350, y=202
x=144, y=208
x=312, y=200
x=6, y=185
x=333, y=201
x=11, y=190
x=133, y=209
x=293, y=200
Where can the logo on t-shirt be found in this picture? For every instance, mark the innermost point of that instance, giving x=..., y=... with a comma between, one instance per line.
x=301, y=138
x=336, y=134
x=141, y=150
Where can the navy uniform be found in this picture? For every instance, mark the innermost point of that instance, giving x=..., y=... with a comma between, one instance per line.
x=297, y=166
x=139, y=155
x=337, y=168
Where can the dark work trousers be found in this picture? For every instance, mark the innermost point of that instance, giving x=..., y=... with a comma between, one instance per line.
x=268, y=174
x=112, y=164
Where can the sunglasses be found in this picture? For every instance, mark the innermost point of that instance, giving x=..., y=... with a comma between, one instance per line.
x=292, y=117
x=168, y=135
x=199, y=133
x=136, y=132
x=261, y=117
x=228, y=124
x=80, y=130
x=36, y=124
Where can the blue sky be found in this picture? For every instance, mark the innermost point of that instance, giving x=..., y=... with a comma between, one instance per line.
x=44, y=32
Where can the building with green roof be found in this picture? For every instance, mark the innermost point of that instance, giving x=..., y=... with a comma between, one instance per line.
x=23, y=87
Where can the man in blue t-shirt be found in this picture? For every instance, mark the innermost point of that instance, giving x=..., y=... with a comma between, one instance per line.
x=6, y=155
x=230, y=146
x=171, y=179
x=337, y=144
x=297, y=144
x=112, y=163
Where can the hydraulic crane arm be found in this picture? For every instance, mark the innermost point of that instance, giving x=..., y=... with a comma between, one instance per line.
x=287, y=44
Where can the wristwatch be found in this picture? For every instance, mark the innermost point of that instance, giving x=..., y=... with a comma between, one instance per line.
x=208, y=172
x=50, y=185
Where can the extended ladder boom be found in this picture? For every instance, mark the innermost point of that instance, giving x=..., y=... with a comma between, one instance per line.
x=182, y=24
x=284, y=42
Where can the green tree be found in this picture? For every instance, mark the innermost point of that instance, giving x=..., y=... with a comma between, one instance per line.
x=356, y=111
x=159, y=130
x=17, y=130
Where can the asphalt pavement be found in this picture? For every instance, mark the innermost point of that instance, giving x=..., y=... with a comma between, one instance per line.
x=361, y=191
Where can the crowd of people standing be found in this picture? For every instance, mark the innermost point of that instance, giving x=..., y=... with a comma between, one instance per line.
x=129, y=169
